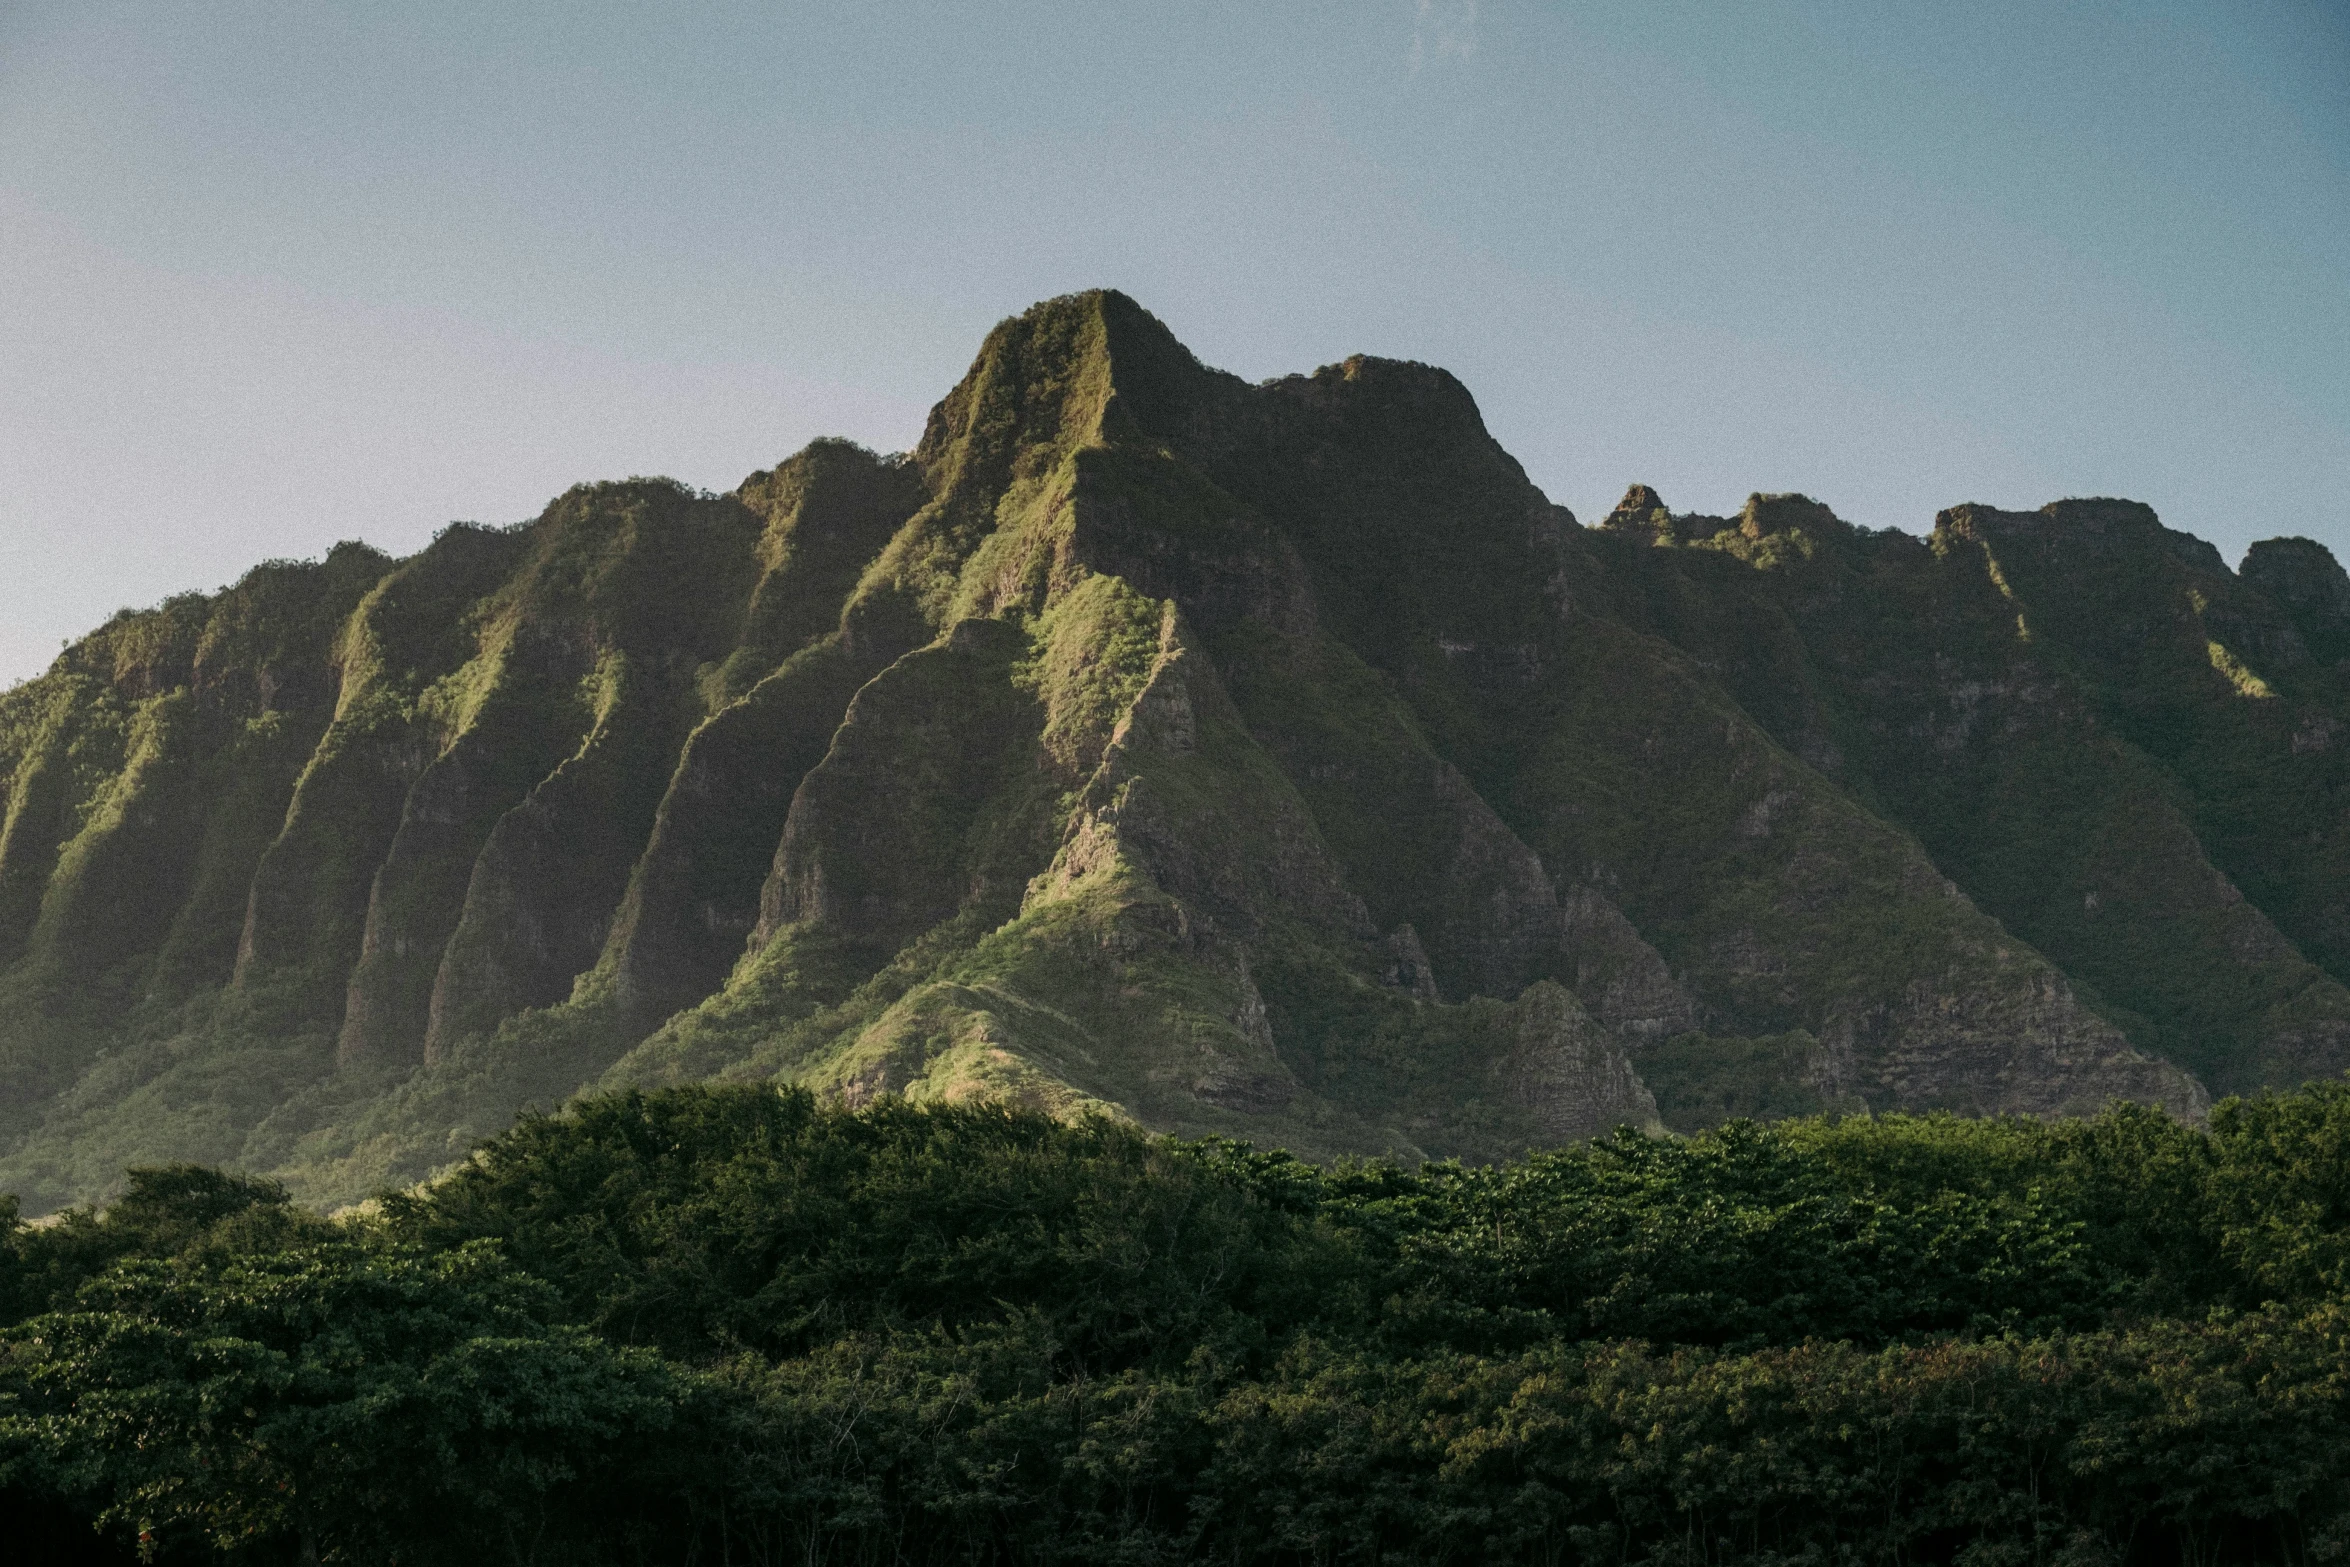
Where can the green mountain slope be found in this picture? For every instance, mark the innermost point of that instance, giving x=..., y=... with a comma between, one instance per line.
x=1267, y=761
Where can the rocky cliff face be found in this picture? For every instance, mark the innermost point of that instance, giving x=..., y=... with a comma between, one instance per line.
x=1272, y=761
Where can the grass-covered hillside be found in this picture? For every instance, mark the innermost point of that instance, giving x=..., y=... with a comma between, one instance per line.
x=1261, y=761
x=730, y=1324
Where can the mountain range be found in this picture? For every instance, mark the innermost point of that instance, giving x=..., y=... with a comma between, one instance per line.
x=1269, y=761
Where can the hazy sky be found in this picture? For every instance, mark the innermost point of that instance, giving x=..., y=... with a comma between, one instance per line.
x=276, y=275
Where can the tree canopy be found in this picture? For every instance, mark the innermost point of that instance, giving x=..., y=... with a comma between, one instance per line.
x=731, y=1324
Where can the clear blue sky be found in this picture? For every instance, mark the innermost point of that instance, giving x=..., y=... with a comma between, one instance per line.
x=274, y=275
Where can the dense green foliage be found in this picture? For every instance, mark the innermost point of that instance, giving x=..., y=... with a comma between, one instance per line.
x=728, y=1324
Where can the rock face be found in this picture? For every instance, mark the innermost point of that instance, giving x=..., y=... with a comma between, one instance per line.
x=1570, y=1069
x=1272, y=761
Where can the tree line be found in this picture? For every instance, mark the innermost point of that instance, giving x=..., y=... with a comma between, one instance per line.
x=732, y=1325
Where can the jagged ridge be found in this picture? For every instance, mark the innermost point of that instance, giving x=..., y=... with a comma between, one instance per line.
x=1273, y=761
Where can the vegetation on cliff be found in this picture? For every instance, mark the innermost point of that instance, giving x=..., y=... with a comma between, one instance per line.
x=1270, y=762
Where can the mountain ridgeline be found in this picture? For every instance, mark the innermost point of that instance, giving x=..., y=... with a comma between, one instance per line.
x=1267, y=761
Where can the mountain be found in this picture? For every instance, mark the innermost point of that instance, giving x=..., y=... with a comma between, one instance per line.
x=1270, y=761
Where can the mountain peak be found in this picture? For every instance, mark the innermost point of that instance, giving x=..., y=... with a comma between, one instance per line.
x=1641, y=510
x=1063, y=373
x=1265, y=760
x=1768, y=514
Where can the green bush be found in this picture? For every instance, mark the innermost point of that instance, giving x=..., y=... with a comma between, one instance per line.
x=729, y=1324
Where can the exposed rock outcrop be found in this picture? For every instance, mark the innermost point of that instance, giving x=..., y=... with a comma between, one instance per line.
x=1569, y=1071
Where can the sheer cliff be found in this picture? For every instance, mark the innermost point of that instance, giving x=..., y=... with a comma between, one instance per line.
x=1272, y=761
